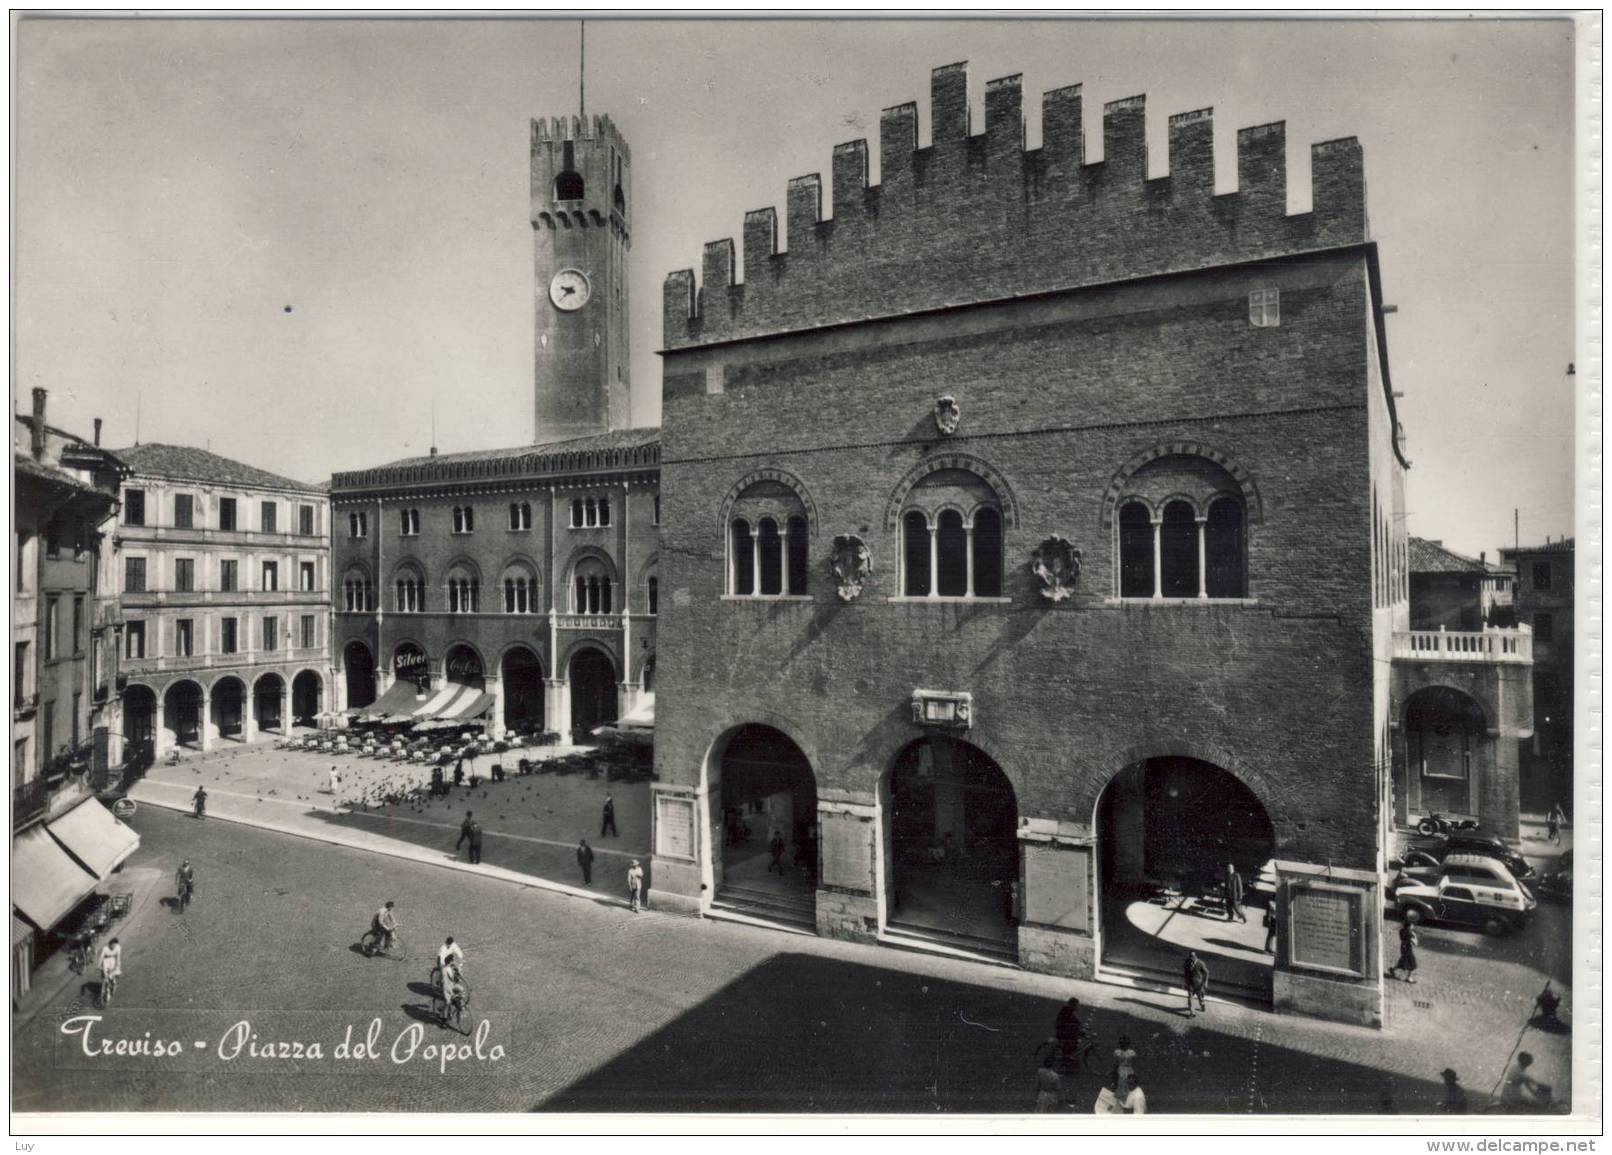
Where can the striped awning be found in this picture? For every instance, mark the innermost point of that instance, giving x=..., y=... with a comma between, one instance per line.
x=401, y=698
x=92, y=835
x=45, y=881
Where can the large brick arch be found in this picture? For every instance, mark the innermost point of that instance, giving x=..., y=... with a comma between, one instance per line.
x=582, y=553
x=562, y=668
x=1184, y=448
x=716, y=738
x=783, y=477
x=968, y=463
x=892, y=751
x=1272, y=795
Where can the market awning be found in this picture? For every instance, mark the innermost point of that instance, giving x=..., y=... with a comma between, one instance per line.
x=472, y=703
x=45, y=881
x=93, y=836
x=640, y=717
x=401, y=698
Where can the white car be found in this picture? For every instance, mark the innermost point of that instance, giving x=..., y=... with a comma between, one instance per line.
x=1465, y=888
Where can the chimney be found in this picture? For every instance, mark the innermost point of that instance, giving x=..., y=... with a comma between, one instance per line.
x=97, y=433
x=433, y=451
x=38, y=440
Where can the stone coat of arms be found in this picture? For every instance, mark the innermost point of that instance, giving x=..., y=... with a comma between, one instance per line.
x=947, y=415
x=1056, y=563
x=851, y=565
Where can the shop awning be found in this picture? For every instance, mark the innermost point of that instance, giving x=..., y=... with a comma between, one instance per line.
x=402, y=698
x=20, y=931
x=45, y=881
x=93, y=836
x=470, y=703
x=640, y=717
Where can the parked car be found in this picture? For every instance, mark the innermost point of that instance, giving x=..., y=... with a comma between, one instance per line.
x=1557, y=882
x=1468, y=869
x=1477, y=842
x=1472, y=891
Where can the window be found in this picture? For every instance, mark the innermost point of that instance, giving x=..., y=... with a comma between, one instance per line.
x=19, y=675
x=78, y=709
x=47, y=719
x=590, y=512
x=134, y=639
x=306, y=573
x=464, y=593
x=271, y=633
x=358, y=596
x=1265, y=308
x=229, y=576
x=134, y=507
x=228, y=635
x=410, y=522
x=1195, y=545
x=1223, y=549
x=951, y=538
x=576, y=514
x=53, y=540
x=78, y=623
x=591, y=588
x=184, y=511
x=134, y=575
x=308, y=627
x=226, y=513
x=271, y=576
x=654, y=596
x=464, y=519
x=1544, y=627
x=657, y=509
x=517, y=595
x=1178, y=551
x=1542, y=575
x=520, y=515
x=184, y=575
x=270, y=514
x=305, y=520
x=568, y=186
x=410, y=592
x=24, y=562
x=184, y=637
x=52, y=636
x=358, y=525
x=604, y=511
x=742, y=555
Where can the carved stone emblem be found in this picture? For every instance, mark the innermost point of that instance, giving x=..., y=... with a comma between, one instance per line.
x=851, y=565
x=1057, y=564
x=947, y=415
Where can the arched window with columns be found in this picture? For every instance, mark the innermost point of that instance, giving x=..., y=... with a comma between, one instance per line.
x=358, y=592
x=769, y=542
x=409, y=586
x=1181, y=531
x=951, y=537
x=592, y=587
x=519, y=589
x=463, y=590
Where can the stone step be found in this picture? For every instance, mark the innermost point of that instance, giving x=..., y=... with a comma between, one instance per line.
x=928, y=944
x=761, y=906
x=733, y=914
x=804, y=903
x=1001, y=947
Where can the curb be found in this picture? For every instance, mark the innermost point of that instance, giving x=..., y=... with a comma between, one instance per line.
x=497, y=873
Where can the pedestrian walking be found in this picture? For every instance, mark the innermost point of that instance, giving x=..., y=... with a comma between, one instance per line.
x=1049, y=1095
x=1408, y=943
x=1270, y=926
x=776, y=846
x=1132, y=1100
x=1522, y=1094
x=1554, y=822
x=335, y=779
x=1234, y=894
x=199, y=799
x=439, y=783
x=1069, y=1032
x=1454, y=1102
x=607, y=822
x=1124, y=1059
x=635, y=885
x=470, y=831
x=459, y=772
x=585, y=861
x=1195, y=976
x=1545, y=1004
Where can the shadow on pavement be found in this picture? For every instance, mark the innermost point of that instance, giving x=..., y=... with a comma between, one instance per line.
x=805, y=1033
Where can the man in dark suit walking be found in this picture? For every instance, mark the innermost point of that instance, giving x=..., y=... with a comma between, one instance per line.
x=607, y=824
x=470, y=831
x=1234, y=895
x=585, y=861
x=1195, y=976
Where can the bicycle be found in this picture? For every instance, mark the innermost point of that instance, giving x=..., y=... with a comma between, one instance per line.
x=185, y=891
x=108, y=987
x=79, y=958
x=378, y=942
x=449, y=1012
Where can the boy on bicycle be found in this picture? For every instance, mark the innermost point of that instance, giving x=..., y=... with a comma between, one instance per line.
x=384, y=924
x=111, y=968
x=185, y=882
x=455, y=992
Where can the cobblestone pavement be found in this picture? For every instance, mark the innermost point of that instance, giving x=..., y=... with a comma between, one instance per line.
x=599, y=1009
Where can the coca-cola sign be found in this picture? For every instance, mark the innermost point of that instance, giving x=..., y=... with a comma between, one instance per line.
x=462, y=667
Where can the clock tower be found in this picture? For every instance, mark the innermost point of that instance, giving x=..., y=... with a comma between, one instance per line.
x=581, y=230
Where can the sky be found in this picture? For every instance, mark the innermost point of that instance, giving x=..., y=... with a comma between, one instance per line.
x=300, y=243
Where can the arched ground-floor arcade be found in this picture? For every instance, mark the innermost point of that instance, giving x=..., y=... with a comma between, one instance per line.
x=197, y=711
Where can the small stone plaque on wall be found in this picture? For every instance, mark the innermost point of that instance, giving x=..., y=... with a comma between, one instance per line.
x=847, y=852
x=674, y=827
x=1055, y=885
x=1324, y=928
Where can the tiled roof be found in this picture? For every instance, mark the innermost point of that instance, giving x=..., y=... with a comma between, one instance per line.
x=1431, y=557
x=185, y=463
x=28, y=467
x=1565, y=545
x=621, y=448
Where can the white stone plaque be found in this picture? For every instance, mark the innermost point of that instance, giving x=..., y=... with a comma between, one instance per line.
x=847, y=852
x=674, y=827
x=1323, y=927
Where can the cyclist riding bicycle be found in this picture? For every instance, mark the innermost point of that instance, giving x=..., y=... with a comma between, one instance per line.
x=455, y=991
x=450, y=951
x=384, y=924
x=185, y=881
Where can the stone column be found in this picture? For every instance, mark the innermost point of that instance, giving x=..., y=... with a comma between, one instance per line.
x=207, y=730
x=755, y=560
x=557, y=707
x=968, y=540
x=934, y=559
x=1203, y=557
x=851, y=900
x=249, y=715
x=162, y=738
x=1158, y=558
x=495, y=687
x=285, y=710
x=1057, y=907
x=626, y=699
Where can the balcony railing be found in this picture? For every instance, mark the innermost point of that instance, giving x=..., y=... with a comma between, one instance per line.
x=30, y=800
x=1511, y=646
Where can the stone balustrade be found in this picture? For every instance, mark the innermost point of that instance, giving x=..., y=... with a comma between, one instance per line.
x=1491, y=645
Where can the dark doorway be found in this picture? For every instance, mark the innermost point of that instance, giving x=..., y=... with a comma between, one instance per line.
x=523, y=690
x=953, y=846
x=358, y=667
x=593, y=692
x=182, y=707
x=229, y=708
x=1167, y=829
x=268, y=699
x=1443, y=732
x=139, y=717
x=767, y=788
x=307, y=696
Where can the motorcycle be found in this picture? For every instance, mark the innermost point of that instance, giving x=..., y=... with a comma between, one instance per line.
x=1438, y=824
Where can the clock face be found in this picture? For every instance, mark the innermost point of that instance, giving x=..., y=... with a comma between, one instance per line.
x=569, y=290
